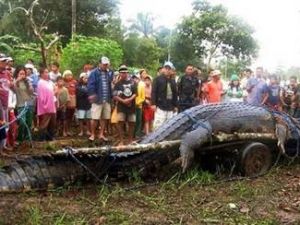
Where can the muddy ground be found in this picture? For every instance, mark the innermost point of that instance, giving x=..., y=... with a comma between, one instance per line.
x=195, y=198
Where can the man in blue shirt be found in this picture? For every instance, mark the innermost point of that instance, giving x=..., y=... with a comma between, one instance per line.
x=100, y=95
x=257, y=89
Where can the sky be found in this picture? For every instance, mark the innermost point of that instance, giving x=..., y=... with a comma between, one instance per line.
x=276, y=24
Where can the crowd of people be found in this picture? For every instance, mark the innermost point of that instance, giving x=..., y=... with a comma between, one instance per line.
x=103, y=102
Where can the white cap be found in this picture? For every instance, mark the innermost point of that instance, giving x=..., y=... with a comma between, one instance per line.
x=29, y=66
x=216, y=73
x=83, y=75
x=104, y=60
x=169, y=64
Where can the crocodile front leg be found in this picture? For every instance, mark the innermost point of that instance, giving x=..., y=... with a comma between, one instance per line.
x=192, y=141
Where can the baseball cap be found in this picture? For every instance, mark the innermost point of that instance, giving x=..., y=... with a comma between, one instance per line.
x=29, y=66
x=169, y=64
x=123, y=69
x=216, y=73
x=83, y=75
x=3, y=57
x=104, y=60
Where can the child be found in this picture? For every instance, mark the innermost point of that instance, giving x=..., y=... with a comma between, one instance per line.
x=70, y=84
x=235, y=92
x=83, y=106
x=273, y=94
x=148, y=113
x=12, y=129
x=62, y=96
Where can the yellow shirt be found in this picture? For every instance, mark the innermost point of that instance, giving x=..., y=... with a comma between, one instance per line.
x=140, y=97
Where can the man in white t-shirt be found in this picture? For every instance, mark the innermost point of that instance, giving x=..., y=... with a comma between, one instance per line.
x=54, y=73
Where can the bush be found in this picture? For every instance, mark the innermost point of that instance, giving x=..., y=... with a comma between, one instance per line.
x=21, y=56
x=84, y=50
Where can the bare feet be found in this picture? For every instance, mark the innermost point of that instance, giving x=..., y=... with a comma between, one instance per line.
x=81, y=134
x=88, y=133
x=102, y=138
x=92, y=138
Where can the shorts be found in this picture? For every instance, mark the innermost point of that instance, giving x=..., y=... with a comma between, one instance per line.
x=129, y=117
x=148, y=114
x=101, y=111
x=83, y=114
x=61, y=114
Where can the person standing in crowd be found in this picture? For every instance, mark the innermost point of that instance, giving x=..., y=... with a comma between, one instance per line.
x=70, y=84
x=125, y=93
x=5, y=85
x=164, y=96
x=13, y=126
x=54, y=73
x=139, y=100
x=100, y=94
x=257, y=88
x=83, y=106
x=234, y=92
x=214, y=88
x=46, y=106
x=273, y=93
x=31, y=76
x=148, y=113
x=63, y=98
x=188, y=89
x=24, y=93
x=291, y=98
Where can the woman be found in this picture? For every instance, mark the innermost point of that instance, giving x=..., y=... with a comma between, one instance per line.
x=24, y=94
x=235, y=92
x=46, y=106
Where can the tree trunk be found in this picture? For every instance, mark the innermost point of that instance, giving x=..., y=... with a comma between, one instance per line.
x=44, y=54
x=73, y=18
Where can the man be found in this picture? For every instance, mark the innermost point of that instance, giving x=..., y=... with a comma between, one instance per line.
x=164, y=95
x=290, y=98
x=124, y=94
x=100, y=95
x=188, y=89
x=214, y=88
x=257, y=88
x=247, y=74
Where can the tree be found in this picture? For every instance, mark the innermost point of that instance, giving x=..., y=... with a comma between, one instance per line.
x=143, y=24
x=92, y=17
x=141, y=52
x=215, y=34
x=38, y=30
x=84, y=49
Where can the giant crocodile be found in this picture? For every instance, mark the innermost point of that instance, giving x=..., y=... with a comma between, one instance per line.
x=199, y=129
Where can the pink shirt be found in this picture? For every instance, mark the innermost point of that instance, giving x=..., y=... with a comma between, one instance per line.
x=46, y=97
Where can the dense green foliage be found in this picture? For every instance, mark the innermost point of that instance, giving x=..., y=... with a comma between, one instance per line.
x=89, y=50
x=215, y=34
x=93, y=16
x=206, y=38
